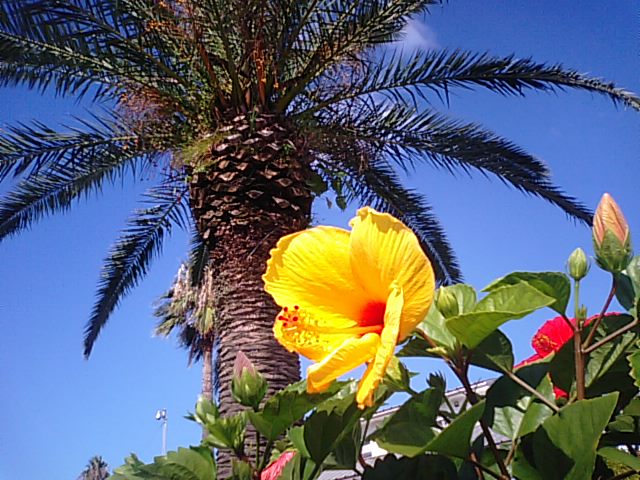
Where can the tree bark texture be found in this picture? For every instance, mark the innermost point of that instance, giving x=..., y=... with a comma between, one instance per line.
x=252, y=191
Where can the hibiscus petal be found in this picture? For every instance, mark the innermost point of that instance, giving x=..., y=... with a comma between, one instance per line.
x=311, y=269
x=383, y=251
x=388, y=341
x=351, y=354
x=305, y=337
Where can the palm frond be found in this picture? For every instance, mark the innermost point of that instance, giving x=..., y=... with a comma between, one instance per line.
x=75, y=46
x=400, y=78
x=35, y=147
x=408, y=137
x=55, y=188
x=131, y=256
x=198, y=258
x=332, y=32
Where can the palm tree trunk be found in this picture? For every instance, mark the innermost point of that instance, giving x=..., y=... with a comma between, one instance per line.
x=207, y=371
x=253, y=191
x=207, y=376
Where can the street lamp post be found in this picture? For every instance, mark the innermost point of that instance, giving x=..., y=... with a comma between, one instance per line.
x=161, y=415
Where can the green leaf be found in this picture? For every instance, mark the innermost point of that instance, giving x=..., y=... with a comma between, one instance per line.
x=194, y=463
x=466, y=296
x=288, y=406
x=456, y=438
x=226, y=432
x=502, y=304
x=423, y=467
x=397, y=376
x=619, y=456
x=296, y=435
x=634, y=363
x=205, y=409
x=407, y=431
x=418, y=347
x=565, y=444
x=240, y=470
x=494, y=353
x=345, y=453
x=553, y=284
x=324, y=430
x=299, y=468
x=511, y=410
x=434, y=325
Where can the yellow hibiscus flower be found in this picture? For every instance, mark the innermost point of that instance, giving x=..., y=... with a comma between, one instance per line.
x=348, y=298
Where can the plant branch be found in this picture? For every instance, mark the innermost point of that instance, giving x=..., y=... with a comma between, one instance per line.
x=484, y=469
x=568, y=322
x=532, y=390
x=605, y=307
x=461, y=373
x=611, y=336
x=577, y=344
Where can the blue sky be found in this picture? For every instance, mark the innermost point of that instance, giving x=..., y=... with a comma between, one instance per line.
x=57, y=410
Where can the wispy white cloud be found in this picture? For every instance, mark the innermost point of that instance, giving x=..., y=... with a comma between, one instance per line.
x=417, y=35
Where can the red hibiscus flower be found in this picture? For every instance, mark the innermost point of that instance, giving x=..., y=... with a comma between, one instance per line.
x=550, y=338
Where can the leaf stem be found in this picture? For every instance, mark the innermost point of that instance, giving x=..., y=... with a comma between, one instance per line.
x=532, y=390
x=605, y=307
x=461, y=373
x=577, y=344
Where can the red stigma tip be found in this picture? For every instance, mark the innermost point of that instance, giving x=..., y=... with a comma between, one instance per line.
x=286, y=309
x=296, y=307
x=295, y=319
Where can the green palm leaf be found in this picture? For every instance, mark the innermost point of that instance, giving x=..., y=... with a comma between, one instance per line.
x=140, y=242
x=400, y=78
x=408, y=137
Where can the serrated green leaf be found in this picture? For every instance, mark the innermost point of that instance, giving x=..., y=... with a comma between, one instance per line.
x=553, y=284
x=423, y=467
x=226, y=432
x=288, y=406
x=455, y=440
x=494, y=353
x=565, y=444
x=634, y=363
x=619, y=456
x=408, y=431
x=511, y=410
x=502, y=304
x=324, y=430
x=434, y=325
x=194, y=463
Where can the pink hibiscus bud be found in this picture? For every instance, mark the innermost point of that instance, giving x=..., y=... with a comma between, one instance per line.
x=248, y=386
x=611, y=236
x=242, y=363
x=275, y=468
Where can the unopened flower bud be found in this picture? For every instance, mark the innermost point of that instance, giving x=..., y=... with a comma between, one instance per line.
x=447, y=302
x=611, y=237
x=578, y=264
x=248, y=386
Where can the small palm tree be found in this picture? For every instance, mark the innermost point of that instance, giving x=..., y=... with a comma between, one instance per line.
x=249, y=110
x=96, y=469
x=187, y=308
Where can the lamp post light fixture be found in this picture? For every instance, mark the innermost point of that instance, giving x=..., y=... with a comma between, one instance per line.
x=161, y=415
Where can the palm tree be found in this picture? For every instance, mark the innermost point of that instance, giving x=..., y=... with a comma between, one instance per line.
x=96, y=469
x=250, y=110
x=187, y=309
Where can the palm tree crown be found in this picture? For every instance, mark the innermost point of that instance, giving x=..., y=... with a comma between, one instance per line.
x=204, y=91
x=96, y=469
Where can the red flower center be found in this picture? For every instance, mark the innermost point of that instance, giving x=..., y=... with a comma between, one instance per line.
x=372, y=314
